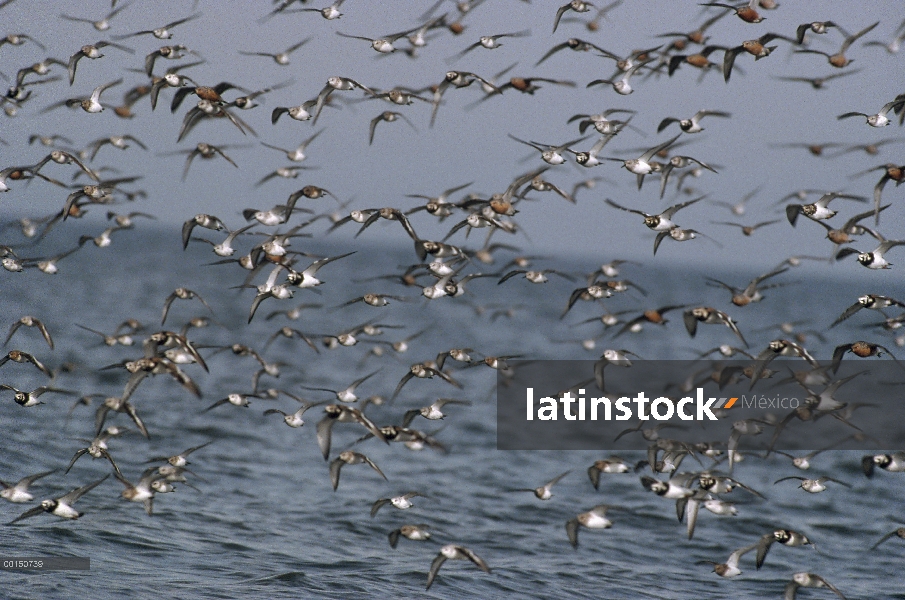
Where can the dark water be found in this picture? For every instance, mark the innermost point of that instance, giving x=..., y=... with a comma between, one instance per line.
x=266, y=522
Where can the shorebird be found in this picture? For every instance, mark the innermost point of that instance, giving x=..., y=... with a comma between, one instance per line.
x=880, y=119
x=402, y=502
x=334, y=83
x=748, y=230
x=338, y=413
x=18, y=492
x=280, y=58
x=895, y=44
x=102, y=24
x=417, y=533
x=29, y=321
x=490, y=42
x=786, y=537
x=350, y=458
x=142, y=491
x=572, y=44
x=874, y=259
x=709, y=316
x=174, y=52
x=818, y=27
x=861, y=349
x=621, y=86
x=817, y=210
x=808, y=580
x=298, y=113
x=181, y=293
x=660, y=222
x=892, y=463
x=730, y=568
x=18, y=39
x=389, y=116
x=751, y=293
x=92, y=103
x=384, y=44
x=293, y=419
x=692, y=125
x=422, y=371
x=544, y=492
x=746, y=12
x=161, y=33
x=200, y=220
x=235, y=399
x=839, y=59
x=92, y=51
x=329, y=12
x=592, y=519
x=642, y=165
x=757, y=48
x=458, y=79
x=97, y=448
x=899, y=532
x=24, y=357
x=818, y=83
x=579, y=6
x=297, y=154
x=347, y=394
x=28, y=399
x=62, y=506
x=869, y=301
x=454, y=552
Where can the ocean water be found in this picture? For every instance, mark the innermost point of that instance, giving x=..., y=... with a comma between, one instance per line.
x=265, y=522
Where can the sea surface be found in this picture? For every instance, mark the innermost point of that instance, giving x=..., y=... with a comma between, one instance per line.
x=264, y=521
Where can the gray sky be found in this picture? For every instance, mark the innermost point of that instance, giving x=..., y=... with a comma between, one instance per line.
x=472, y=145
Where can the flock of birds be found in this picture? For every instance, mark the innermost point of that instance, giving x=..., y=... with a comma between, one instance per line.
x=261, y=250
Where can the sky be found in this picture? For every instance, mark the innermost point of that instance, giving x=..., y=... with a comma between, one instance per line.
x=472, y=143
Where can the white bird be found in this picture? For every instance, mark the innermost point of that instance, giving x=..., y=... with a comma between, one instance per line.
x=621, y=86
x=92, y=104
x=880, y=119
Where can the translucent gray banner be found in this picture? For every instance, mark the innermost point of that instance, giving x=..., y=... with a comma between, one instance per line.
x=44, y=563
x=630, y=404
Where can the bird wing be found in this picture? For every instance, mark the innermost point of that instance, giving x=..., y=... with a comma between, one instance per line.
x=335, y=468
x=31, y=512
x=373, y=465
x=435, y=564
x=377, y=506
x=650, y=153
x=77, y=493
x=324, y=433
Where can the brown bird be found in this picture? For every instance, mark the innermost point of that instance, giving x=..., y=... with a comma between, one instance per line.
x=818, y=83
x=350, y=458
x=757, y=48
x=526, y=85
x=700, y=60
x=844, y=234
x=696, y=36
x=751, y=293
x=29, y=321
x=746, y=12
x=654, y=316
x=748, y=230
x=24, y=357
x=839, y=60
x=860, y=349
